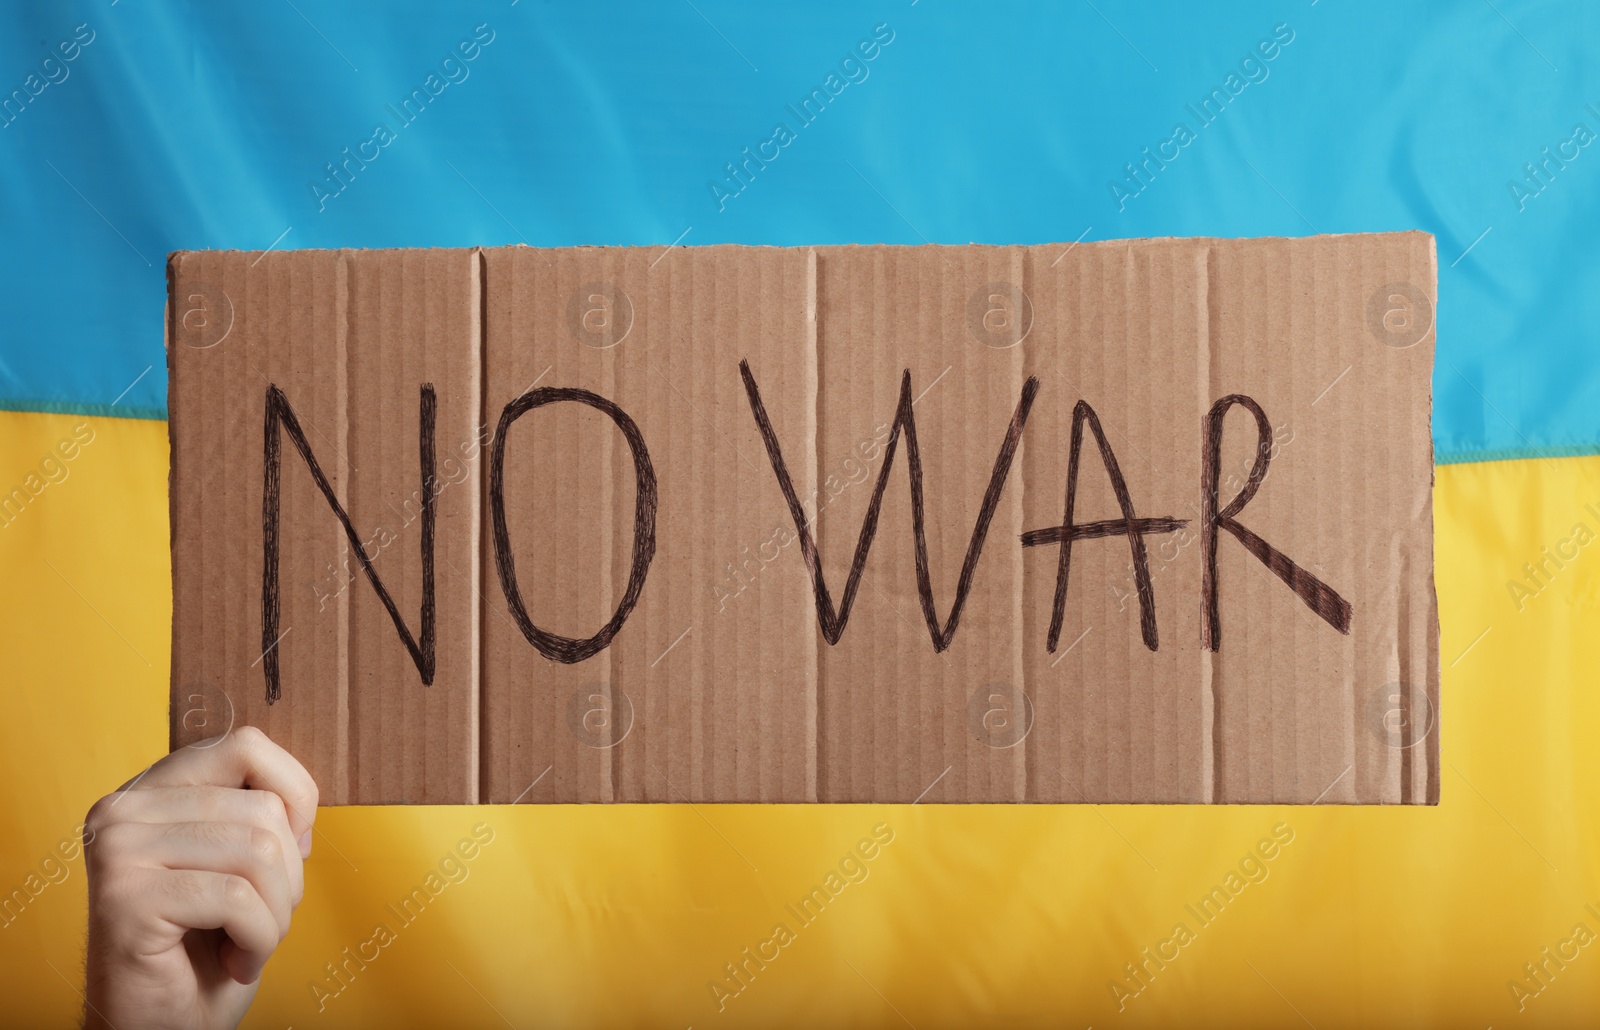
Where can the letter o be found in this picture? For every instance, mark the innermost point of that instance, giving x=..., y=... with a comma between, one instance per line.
x=554, y=646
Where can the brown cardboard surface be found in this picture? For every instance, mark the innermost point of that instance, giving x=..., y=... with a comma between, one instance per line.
x=350, y=340
x=628, y=609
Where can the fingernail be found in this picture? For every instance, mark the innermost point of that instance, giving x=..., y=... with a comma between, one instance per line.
x=305, y=845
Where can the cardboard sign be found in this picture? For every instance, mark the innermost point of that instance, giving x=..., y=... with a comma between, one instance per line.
x=1142, y=521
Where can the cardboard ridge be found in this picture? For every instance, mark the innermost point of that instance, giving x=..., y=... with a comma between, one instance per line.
x=1126, y=521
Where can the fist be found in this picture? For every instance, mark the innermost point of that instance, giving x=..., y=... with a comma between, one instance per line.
x=194, y=869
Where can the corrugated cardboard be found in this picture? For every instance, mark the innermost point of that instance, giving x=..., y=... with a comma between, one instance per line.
x=795, y=525
x=352, y=343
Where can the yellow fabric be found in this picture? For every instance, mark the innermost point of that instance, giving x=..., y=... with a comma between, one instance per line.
x=1024, y=915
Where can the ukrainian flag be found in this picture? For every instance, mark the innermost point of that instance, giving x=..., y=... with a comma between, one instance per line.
x=131, y=128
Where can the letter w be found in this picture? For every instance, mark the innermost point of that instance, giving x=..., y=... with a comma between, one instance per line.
x=833, y=622
x=279, y=413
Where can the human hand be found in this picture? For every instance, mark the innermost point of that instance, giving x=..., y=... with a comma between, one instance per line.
x=194, y=868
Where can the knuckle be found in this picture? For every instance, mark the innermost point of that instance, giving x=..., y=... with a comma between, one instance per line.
x=272, y=807
x=237, y=892
x=115, y=845
x=99, y=815
x=249, y=737
x=264, y=848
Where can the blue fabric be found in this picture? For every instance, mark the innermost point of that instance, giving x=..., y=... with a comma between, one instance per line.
x=193, y=126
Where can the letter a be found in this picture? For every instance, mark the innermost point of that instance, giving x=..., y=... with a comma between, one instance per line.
x=1068, y=531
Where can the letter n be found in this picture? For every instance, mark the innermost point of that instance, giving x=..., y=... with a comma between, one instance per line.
x=281, y=416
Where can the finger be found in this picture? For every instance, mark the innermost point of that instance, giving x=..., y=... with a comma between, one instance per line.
x=238, y=848
x=193, y=899
x=222, y=805
x=243, y=757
